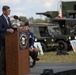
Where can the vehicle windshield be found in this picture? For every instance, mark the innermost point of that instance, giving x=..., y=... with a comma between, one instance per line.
x=43, y=31
x=54, y=30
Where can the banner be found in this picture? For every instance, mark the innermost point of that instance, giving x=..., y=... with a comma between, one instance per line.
x=73, y=44
x=39, y=47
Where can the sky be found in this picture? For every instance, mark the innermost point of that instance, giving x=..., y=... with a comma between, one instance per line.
x=29, y=8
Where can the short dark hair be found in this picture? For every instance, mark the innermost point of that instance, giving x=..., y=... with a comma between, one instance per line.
x=4, y=8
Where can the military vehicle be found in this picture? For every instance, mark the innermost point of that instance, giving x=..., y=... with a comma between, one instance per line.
x=67, y=27
x=43, y=33
x=50, y=36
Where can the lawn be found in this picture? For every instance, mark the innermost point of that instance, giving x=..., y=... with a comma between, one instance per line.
x=52, y=57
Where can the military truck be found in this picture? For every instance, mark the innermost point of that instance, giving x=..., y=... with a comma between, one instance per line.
x=67, y=27
x=44, y=35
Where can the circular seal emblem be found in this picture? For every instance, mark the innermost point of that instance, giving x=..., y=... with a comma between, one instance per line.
x=23, y=41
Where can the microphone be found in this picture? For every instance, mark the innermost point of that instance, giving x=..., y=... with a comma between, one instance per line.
x=15, y=17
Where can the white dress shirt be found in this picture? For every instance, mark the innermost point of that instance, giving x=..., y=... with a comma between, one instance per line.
x=6, y=19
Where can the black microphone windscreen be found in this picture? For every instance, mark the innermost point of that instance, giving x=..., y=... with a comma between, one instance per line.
x=15, y=17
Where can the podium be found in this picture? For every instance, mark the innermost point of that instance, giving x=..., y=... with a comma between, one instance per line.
x=17, y=53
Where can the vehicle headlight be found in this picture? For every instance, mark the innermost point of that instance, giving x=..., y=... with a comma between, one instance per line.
x=75, y=37
x=44, y=39
x=69, y=37
x=35, y=39
x=52, y=40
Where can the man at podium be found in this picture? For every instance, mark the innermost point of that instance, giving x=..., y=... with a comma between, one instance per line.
x=5, y=27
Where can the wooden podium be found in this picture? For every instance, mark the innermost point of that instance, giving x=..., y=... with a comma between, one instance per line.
x=17, y=53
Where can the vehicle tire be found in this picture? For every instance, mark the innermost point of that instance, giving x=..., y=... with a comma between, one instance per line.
x=62, y=45
x=43, y=47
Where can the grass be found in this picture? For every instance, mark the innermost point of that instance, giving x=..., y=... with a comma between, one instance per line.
x=52, y=57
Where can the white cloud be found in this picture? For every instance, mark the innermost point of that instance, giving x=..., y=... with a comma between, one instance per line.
x=14, y=2
x=19, y=9
x=18, y=13
x=47, y=5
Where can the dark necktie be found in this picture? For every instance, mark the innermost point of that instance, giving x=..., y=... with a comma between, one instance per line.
x=7, y=20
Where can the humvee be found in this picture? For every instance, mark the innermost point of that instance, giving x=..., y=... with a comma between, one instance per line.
x=50, y=36
x=45, y=35
x=67, y=28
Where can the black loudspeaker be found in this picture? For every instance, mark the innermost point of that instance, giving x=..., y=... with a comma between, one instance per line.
x=50, y=72
x=47, y=72
x=68, y=72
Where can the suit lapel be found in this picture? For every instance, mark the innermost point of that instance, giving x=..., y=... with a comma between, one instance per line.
x=5, y=21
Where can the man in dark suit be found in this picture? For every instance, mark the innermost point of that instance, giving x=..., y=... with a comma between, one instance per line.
x=5, y=27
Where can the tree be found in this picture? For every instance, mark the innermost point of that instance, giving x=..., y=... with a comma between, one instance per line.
x=47, y=20
x=23, y=18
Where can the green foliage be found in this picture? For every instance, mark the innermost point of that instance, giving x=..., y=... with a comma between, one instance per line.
x=39, y=21
x=23, y=18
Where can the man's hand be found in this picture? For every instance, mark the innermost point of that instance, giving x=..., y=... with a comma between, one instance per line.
x=10, y=30
x=31, y=48
x=14, y=26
